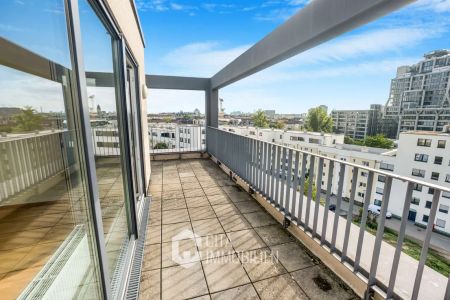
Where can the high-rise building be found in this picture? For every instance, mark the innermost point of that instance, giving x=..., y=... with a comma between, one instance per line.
x=324, y=107
x=357, y=124
x=419, y=96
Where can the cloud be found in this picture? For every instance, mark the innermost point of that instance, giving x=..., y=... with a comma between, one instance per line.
x=152, y=5
x=435, y=5
x=201, y=59
x=174, y=100
x=276, y=15
x=365, y=44
x=207, y=58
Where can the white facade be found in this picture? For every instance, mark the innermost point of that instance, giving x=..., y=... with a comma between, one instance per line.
x=401, y=161
x=329, y=145
x=424, y=154
x=178, y=137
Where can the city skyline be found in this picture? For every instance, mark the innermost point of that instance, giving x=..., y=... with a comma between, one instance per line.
x=356, y=67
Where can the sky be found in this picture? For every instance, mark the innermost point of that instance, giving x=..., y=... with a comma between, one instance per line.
x=352, y=71
x=198, y=38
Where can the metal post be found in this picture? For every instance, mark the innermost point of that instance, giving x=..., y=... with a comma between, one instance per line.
x=401, y=236
x=327, y=201
x=350, y=213
x=426, y=244
x=362, y=226
x=379, y=235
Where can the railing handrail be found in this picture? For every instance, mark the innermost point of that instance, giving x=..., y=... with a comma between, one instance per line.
x=366, y=168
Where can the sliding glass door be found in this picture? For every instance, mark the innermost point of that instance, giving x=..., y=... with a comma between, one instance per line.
x=48, y=247
x=103, y=65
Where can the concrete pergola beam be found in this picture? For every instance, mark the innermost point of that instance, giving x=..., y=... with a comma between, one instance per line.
x=318, y=22
x=177, y=83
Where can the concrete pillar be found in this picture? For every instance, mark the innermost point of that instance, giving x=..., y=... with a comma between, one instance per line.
x=212, y=107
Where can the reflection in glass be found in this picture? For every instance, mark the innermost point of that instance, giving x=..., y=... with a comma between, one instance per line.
x=102, y=90
x=47, y=247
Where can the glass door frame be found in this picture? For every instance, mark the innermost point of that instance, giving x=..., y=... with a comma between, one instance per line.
x=120, y=55
x=136, y=115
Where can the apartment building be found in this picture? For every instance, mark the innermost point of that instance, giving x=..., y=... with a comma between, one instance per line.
x=425, y=156
x=332, y=146
x=286, y=138
x=357, y=124
x=177, y=137
x=419, y=97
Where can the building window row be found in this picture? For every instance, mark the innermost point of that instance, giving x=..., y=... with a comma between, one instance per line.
x=418, y=173
x=424, y=142
x=386, y=166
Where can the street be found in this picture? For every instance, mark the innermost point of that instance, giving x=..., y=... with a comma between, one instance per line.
x=438, y=241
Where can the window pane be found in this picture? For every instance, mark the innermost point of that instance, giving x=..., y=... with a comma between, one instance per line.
x=46, y=234
x=98, y=52
x=25, y=22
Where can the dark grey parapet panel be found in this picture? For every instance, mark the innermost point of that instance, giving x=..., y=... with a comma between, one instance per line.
x=318, y=22
x=176, y=83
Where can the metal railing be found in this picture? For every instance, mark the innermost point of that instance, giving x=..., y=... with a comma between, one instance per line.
x=31, y=159
x=177, y=138
x=280, y=174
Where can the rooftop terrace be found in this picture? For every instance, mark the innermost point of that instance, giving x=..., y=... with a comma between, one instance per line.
x=236, y=249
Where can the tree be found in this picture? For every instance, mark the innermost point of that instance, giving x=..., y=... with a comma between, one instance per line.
x=260, y=119
x=348, y=140
x=306, y=189
x=378, y=141
x=280, y=124
x=161, y=145
x=317, y=120
x=28, y=120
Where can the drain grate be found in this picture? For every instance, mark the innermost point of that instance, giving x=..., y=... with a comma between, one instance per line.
x=135, y=274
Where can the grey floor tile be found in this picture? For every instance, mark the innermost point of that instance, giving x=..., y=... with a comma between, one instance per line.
x=261, y=264
x=214, y=246
x=179, y=282
x=318, y=284
x=179, y=252
x=292, y=256
x=201, y=213
x=258, y=219
x=245, y=240
x=244, y=292
x=152, y=257
x=274, y=235
x=173, y=204
x=172, y=231
x=153, y=235
x=224, y=272
x=150, y=286
x=223, y=210
x=248, y=207
x=207, y=227
x=197, y=202
x=234, y=223
x=219, y=199
x=175, y=216
x=279, y=287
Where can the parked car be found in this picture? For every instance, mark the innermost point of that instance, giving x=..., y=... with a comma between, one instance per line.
x=376, y=210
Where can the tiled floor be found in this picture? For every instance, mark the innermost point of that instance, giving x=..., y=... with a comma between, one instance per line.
x=31, y=233
x=207, y=239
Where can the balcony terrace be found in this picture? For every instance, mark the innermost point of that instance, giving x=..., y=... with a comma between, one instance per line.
x=239, y=250
x=247, y=222
x=252, y=204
